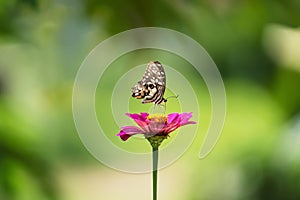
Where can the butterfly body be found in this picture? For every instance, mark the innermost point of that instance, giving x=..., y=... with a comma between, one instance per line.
x=153, y=84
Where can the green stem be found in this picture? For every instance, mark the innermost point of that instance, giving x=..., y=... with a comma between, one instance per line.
x=155, y=164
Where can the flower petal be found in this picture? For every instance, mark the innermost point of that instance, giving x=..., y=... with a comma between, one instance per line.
x=124, y=136
x=173, y=117
x=131, y=129
x=173, y=122
x=142, y=116
x=155, y=127
x=140, y=119
x=185, y=119
x=176, y=120
x=128, y=131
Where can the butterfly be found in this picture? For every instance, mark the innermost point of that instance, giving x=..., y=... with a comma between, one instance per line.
x=153, y=84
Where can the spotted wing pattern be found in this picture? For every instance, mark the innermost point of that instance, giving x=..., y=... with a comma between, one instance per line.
x=153, y=84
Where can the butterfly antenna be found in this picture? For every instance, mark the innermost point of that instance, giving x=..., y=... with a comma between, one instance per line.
x=175, y=96
x=166, y=99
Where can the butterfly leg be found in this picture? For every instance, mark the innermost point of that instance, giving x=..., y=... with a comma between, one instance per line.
x=153, y=109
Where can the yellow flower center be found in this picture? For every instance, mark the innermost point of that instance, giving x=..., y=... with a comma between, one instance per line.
x=159, y=118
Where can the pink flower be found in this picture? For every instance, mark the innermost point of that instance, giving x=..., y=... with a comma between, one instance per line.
x=155, y=124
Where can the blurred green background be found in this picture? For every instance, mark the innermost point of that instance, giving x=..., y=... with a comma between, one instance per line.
x=256, y=46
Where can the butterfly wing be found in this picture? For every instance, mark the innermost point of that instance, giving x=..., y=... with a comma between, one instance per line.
x=152, y=86
x=139, y=91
